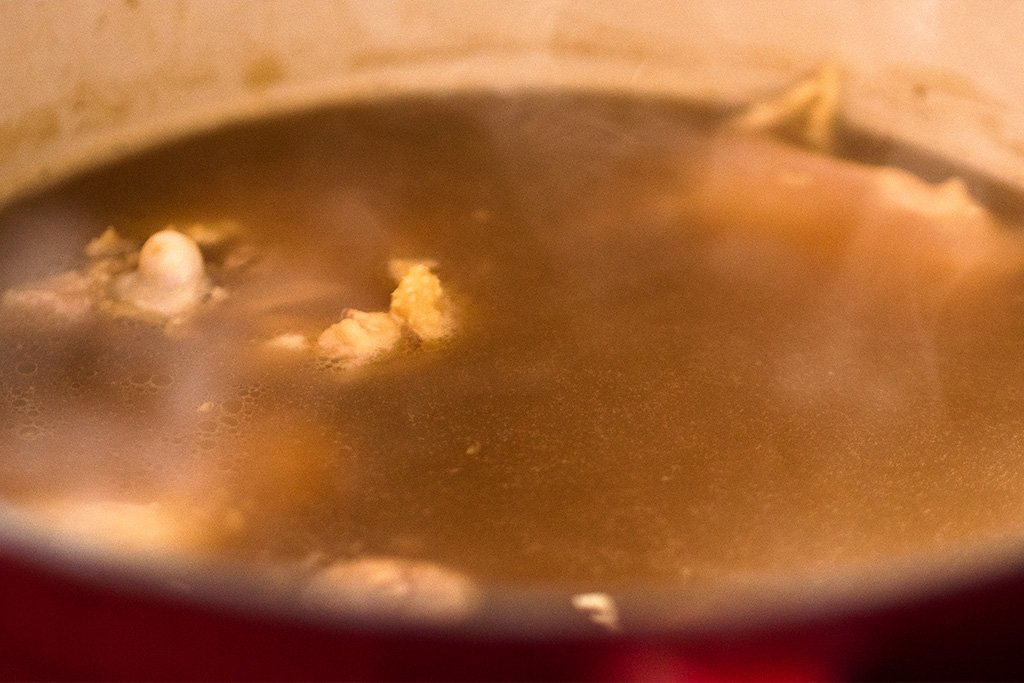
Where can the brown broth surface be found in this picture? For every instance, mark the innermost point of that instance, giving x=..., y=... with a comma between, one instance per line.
x=630, y=397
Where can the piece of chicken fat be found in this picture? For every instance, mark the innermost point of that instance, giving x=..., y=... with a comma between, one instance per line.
x=860, y=218
x=170, y=279
x=419, y=307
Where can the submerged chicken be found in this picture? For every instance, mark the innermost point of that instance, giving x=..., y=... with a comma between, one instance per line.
x=393, y=587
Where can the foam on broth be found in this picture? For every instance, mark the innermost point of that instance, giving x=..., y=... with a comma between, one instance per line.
x=638, y=392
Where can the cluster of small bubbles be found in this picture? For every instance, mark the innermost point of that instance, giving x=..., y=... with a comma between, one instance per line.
x=220, y=423
x=26, y=368
x=28, y=407
x=255, y=391
x=136, y=384
x=228, y=421
x=232, y=406
x=145, y=383
x=172, y=439
x=74, y=388
x=334, y=365
x=161, y=380
x=23, y=400
x=29, y=431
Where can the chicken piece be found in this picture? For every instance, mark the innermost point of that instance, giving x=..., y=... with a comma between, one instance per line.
x=420, y=302
x=73, y=294
x=289, y=341
x=122, y=527
x=812, y=104
x=948, y=200
x=750, y=185
x=400, y=267
x=67, y=296
x=388, y=587
x=109, y=244
x=359, y=337
x=170, y=278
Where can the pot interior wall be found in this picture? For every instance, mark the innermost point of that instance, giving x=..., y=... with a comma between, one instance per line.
x=99, y=78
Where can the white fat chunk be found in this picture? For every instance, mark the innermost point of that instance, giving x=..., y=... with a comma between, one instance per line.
x=170, y=279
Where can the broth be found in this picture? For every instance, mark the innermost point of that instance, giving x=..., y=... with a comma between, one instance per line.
x=636, y=391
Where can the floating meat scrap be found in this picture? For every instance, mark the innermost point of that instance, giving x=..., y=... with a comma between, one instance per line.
x=360, y=336
x=420, y=301
x=390, y=587
x=419, y=306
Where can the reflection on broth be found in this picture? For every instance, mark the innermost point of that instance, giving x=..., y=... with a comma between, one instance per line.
x=587, y=341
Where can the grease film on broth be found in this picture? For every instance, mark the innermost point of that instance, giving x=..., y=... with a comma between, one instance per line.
x=573, y=340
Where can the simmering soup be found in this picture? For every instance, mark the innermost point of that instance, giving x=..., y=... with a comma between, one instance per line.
x=584, y=341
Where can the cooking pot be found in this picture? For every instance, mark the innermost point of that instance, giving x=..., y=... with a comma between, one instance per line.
x=92, y=81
